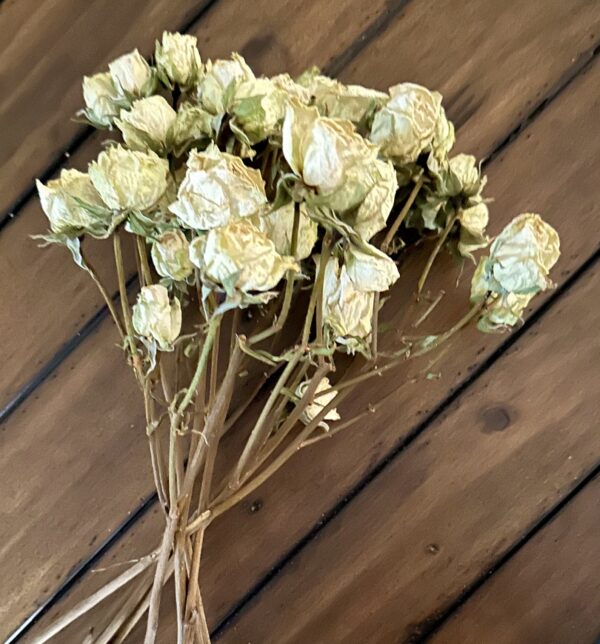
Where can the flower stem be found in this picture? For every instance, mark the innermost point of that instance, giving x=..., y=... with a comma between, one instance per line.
x=434, y=254
x=393, y=229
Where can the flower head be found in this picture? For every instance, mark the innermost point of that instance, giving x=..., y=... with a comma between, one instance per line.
x=155, y=317
x=73, y=206
x=217, y=189
x=178, y=60
x=128, y=180
x=221, y=77
x=170, y=255
x=406, y=125
x=132, y=75
x=258, y=107
x=239, y=257
x=102, y=99
x=516, y=269
x=147, y=125
x=328, y=154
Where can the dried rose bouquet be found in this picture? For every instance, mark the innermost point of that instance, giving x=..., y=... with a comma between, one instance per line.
x=267, y=216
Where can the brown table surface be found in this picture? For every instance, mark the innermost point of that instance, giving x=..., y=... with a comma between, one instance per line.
x=467, y=507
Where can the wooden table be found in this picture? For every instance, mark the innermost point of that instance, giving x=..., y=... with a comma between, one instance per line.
x=467, y=508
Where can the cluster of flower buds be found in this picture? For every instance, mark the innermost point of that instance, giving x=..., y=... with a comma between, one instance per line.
x=239, y=183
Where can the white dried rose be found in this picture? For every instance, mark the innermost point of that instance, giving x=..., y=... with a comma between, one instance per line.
x=373, y=212
x=220, y=79
x=443, y=136
x=405, y=126
x=465, y=169
x=132, y=75
x=346, y=310
x=155, y=317
x=328, y=154
x=102, y=100
x=371, y=269
x=473, y=222
x=129, y=180
x=519, y=264
x=293, y=89
x=336, y=100
x=192, y=125
x=318, y=403
x=62, y=201
x=278, y=226
x=178, y=60
x=170, y=255
x=147, y=125
x=258, y=107
x=217, y=188
x=239, y=257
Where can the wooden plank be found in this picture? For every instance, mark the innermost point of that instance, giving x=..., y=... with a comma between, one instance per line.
x=548, y=592
x=45, y=49
x=57, y=285
x=447, y=508
x=307, y=488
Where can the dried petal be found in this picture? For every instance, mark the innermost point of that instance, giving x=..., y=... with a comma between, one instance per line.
x=278, y=226
x=216, y=88
x=102, y=100
x=316, y=406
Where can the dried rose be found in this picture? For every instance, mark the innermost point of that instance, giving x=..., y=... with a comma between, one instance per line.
x=147, y=125
x=155, y=317
x=128, y=180
x=178, y=60
x=170, y=255
x=132, y=75
x=217, y=189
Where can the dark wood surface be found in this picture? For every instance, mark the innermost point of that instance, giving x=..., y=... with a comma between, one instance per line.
x=456, y=497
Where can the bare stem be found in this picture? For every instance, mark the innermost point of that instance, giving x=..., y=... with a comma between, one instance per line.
x=434, y=254
x=393, y=229
x=105, y=296
x=93, y=600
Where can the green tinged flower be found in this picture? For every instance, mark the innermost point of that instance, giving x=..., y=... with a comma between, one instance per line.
x=258, y=107
x=147, y=125
x=221, y=77
x=473, y=222
x=102, y=100
x=336, y=100
x=128, y=180
x=329, y=156
x=170, y=255
x=73, y=206
x=278, y=226
x=132, y=75
x=516, y=269
x=405, y=127
x=155, y=318
x=192, y=125
x=239, y=257
x=217, y=188
x=178, y=60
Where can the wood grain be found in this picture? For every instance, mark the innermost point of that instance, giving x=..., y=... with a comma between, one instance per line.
x=442, y=512
x=55, y=283
x=46, y=46
x=548, y=592
x=315, y=481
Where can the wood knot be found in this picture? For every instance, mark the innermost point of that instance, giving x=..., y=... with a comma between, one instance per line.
x=496, y=418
